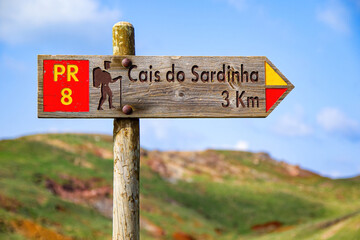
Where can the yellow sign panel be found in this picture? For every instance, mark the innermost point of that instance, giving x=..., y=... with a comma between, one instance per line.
x=272, y=78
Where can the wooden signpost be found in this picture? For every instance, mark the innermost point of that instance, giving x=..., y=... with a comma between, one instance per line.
x=128, y=87
x=158, y=86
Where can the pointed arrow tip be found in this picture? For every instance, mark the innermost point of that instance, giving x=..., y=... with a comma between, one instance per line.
x=272, y=95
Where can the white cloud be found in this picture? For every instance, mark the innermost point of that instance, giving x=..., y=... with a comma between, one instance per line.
x=336, y=16
x=334, y=120
x=242, y=146
x=332, y=174
x=21, y=18
x=161, y=131
x=293, y=124
x=166, y=134
x=53, y=130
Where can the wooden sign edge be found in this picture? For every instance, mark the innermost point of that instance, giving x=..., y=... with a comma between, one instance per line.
x=289, y=86
x=40, y=103
x=41, y=114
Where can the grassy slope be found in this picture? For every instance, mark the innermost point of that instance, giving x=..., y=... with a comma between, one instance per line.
x=23, y=161
x=203, y=208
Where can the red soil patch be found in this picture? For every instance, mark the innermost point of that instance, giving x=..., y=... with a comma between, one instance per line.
x=32, y=230
x=182, y=236
x=60, y=208
x=219, y=231
x=159, y=166
x=283, y=229
x=103, y=153
x=151, y=228
x=77, y=190
x=9, y=204
x=267, y=227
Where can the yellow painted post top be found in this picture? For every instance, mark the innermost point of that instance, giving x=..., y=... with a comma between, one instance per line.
x=123, y=39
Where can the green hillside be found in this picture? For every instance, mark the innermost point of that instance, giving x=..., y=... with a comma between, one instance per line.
x=59, y=186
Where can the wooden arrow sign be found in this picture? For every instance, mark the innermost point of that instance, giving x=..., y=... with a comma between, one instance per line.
x=158, y=87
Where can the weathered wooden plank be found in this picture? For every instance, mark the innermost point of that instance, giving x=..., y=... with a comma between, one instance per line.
x=174, y=87
x=126, y=204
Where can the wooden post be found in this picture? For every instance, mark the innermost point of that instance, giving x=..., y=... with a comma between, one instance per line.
x=126, y=154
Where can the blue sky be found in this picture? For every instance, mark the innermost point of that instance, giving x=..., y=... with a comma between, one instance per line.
x=315, y=44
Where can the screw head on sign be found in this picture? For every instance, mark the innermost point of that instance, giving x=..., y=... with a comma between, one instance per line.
x=126, y=62
x=127, y=109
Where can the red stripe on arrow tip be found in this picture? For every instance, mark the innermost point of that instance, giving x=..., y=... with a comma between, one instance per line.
x=272, y=95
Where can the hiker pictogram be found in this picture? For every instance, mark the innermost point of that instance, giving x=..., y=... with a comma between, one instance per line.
x=103, y=78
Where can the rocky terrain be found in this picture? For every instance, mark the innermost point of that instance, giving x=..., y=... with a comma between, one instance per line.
x=59, y=186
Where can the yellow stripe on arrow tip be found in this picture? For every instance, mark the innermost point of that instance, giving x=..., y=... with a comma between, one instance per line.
x=272, y=78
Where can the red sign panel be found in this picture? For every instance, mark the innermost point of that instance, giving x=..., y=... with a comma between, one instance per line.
x=66, y=86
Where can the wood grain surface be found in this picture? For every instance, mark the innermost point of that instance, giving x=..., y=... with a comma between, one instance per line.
x=126, y=135
x=196, y=92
